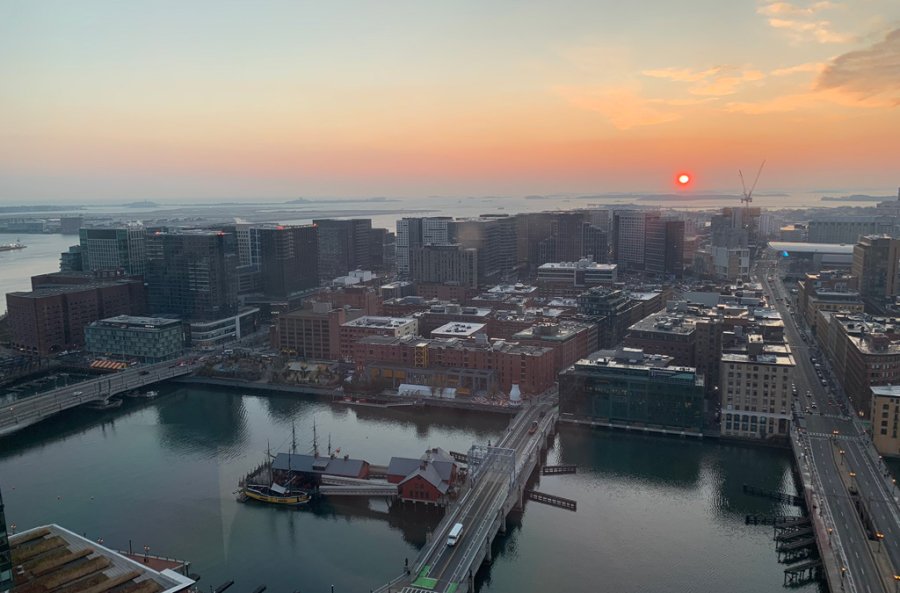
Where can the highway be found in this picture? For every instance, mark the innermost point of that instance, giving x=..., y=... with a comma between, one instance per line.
x=30, y=410
x=837, y=446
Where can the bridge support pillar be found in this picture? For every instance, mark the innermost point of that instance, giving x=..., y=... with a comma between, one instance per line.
x=487, y=551
x=501, y=518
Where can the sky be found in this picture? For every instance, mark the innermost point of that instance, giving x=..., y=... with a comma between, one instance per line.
x=167, y=100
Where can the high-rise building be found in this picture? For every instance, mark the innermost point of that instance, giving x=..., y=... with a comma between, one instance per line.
x=664, y=247
x=495, y=239
x=344, y=245
x=445, y=264
x=71, y=260
x=629, y=237
x=6, y=574
x=731, y=237
x=288, y=258
x=875, y=264
x=192, y=274
x=382, y=250
x=595, y=243
x=413, y=233
x=114, y=248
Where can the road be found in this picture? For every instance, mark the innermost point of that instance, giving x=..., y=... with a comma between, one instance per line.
x=31, y=410
x=831, y=429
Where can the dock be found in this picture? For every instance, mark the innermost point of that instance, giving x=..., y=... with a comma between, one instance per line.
x=552, y=500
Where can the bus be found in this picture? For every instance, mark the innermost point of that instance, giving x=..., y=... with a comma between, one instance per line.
x=453, y=537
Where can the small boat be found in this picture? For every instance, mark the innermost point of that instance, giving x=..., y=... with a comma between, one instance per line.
x=275, y=494
x=12, y=246
x=149, y=394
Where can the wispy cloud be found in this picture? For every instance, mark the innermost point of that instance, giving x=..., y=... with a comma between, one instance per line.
x=803, y=23
x=717, y=81
x=625, y=107
x=871, y=74
x=799, y=69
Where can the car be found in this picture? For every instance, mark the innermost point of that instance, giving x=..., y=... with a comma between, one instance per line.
x=814, y=406
x=78, y=393
x=824, y=383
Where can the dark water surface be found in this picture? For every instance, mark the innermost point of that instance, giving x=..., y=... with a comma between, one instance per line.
x=654, y=514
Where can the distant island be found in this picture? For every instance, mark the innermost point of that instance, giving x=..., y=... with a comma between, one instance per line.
x=346, y=201
x=38, y=208
x=144, y=204
x=856, y=198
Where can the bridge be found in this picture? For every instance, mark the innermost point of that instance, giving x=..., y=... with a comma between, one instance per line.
x=852, y=499
x=31, y=410
x=497, y=476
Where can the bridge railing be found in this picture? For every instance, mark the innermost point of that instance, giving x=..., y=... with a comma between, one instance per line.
x=834, y=539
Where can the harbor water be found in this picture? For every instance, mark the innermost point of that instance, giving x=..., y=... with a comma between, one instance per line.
x=654, y=513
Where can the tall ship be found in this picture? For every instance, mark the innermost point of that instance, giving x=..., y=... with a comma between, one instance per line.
x=267, y=485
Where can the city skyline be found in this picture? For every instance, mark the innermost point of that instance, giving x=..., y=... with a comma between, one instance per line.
x=201, y=101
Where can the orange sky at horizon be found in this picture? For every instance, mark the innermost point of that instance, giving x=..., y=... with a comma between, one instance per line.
x=558, y=115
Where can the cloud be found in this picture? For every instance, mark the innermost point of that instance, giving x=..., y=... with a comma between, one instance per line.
x=799, y=69
x=788, y=9
x=870, y=75
x=681, y=74
x=802, y=22
x=712, y=82
x=625, y=107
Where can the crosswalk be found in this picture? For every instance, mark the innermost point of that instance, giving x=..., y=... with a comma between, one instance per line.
x=842, y=437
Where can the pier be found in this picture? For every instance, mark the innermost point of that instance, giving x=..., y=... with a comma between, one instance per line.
x=36, y=408
x=552, y=500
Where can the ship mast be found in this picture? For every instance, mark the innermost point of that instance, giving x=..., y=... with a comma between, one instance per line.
x=315, y=440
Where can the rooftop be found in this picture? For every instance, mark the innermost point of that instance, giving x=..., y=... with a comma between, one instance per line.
x=811, y=248
x=379, y=322
x=458, y=328
x=52, y=554
x=332, y=466
x=582, y=264
x=887, y=390
x=666, y=322
x=138, y=322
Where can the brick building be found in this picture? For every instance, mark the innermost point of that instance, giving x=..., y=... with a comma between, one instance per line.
x=52, y=318
x=312, y=333
x=367, y=325
x=469, y=366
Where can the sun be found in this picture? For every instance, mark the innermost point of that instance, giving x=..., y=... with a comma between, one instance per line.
x=684, y=179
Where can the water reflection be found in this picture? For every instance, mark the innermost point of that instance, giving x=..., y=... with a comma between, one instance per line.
x=212, y=425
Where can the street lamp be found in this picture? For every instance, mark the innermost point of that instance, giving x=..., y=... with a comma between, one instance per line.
x=146, y=553
x=879, y=536
x=842, y=457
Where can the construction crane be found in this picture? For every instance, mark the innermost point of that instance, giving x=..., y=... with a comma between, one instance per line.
x=748, y=195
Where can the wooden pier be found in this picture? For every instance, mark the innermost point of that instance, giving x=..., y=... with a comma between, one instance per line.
x=774, y=495
x=549, y=470
x=552, y=500
x=803, y=573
